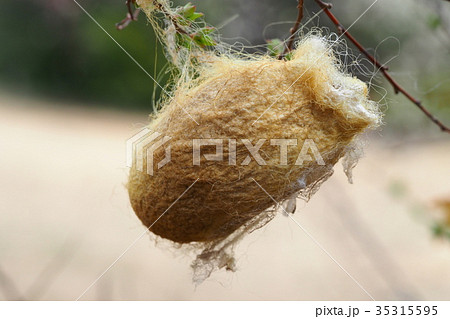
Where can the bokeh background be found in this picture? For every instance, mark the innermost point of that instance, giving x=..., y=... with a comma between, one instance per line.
x=70, y=98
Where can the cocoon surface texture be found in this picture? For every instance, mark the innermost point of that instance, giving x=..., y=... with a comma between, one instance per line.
x=282, y=126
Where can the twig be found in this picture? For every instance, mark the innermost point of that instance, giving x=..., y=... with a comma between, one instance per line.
x=172, y=19
x=129, y=3
x=131, y=15
x=294, y=29
x=397, y=88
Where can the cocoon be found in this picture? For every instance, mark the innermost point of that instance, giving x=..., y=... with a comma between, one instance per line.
x=241, y=102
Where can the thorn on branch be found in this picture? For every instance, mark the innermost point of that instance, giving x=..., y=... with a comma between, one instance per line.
x=397, y=87
x=131, y=15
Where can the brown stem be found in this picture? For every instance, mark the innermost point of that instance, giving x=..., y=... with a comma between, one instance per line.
x=131, y=15
x=129, y=4
x=294, y=29
x=397, y=87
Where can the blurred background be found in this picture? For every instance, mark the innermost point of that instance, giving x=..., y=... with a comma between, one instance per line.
x=70, y=98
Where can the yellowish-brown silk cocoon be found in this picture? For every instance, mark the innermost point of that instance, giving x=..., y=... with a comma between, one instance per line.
x=305, y=99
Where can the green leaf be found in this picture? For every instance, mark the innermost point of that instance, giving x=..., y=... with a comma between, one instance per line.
x=202, y=37
x=289, y=56
x=184, y=40
x=203, y=40
x=275, y=47
x=206, y=30
x=195, y=16
x=189, y=12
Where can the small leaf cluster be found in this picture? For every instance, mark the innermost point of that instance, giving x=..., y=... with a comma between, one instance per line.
x=185, y=17
x=188, y=12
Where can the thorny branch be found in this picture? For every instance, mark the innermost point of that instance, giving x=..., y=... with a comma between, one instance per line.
x=289, y=46
x=397, y=87
x=131, y=15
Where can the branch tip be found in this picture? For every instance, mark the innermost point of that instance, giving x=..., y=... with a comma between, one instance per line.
x=288, y=48
x=381, y=67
